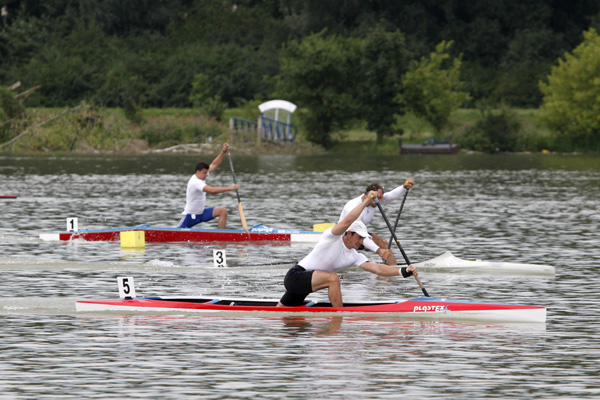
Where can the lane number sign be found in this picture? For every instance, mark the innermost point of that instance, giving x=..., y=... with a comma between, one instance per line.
x=72, y=225
x=126, y=287
x=219, y=258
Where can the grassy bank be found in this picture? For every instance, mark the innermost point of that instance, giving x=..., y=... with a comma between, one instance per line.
x=87, y=130
x=417, y=131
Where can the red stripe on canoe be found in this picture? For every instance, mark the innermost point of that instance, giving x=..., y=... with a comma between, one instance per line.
x=162, y=236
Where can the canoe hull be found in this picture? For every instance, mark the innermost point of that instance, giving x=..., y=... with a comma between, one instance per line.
x=421, y=308
x=173, y=235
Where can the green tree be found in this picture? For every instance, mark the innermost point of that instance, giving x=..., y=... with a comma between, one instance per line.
x=525, y=63
x=69, y=68
x=495, y=131
x=319, y=74
x=431, y=87
x=384, y=60
x=201, y=90
x=571, y=93
x=12, y=115
x=9, y=107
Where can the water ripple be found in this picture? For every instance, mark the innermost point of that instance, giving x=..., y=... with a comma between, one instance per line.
x=529, y=209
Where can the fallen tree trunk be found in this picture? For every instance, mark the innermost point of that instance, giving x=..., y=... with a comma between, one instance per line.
x=27, y=92
x=26, y=131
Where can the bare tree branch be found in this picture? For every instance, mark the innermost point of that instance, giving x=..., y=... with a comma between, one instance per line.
x=26, y=131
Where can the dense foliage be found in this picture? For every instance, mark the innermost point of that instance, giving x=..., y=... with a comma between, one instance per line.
x=572, y=93
x=494, y=132
x=432, y=88
x=385, y=59
x=212, y=54
x=318, y=73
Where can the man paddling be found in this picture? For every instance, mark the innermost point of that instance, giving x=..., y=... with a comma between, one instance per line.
x=195, y=196
x=374, y=242
x=336, y=250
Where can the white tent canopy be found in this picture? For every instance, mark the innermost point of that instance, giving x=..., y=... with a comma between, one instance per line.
x=277, y=105
x=270, y=126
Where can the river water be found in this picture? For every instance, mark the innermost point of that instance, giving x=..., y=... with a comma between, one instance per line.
x=520, y=208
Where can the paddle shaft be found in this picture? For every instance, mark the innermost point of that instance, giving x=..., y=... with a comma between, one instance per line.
x=400, y=247
x=244, y=224
x=233, y=175
x=398, y=218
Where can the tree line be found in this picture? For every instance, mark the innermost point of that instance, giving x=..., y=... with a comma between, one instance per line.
x=340, y=59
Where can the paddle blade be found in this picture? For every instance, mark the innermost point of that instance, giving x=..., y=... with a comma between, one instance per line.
x=244, y=224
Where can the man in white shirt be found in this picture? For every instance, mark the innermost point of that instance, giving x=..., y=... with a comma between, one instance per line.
x=195, y=196
x=374, y=242
x=336, y=250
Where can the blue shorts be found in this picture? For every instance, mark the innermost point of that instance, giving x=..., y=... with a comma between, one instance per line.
x=189, y=220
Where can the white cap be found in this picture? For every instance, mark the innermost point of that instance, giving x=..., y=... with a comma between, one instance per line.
x=359, y=228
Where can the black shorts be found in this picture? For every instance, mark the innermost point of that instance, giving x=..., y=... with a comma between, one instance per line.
x=298, y=285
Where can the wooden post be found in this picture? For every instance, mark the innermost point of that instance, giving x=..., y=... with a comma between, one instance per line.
x=259, y=129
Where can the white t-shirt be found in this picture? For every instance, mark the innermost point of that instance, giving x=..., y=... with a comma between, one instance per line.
x=195, y=196
x=366, y=216
x=331, y=254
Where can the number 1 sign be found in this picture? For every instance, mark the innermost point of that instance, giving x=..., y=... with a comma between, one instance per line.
x=72, y=225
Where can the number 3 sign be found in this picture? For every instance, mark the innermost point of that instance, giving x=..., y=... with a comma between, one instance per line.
x=219, y=258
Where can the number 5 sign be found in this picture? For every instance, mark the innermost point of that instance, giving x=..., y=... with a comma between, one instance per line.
x=126, y=287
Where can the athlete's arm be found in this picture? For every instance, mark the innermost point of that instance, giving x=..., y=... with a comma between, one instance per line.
x=386, y=270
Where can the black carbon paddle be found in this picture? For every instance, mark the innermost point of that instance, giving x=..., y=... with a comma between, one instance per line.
x=398, y=218
x=408, y=263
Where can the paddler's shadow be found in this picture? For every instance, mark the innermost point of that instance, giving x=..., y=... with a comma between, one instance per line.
x=319, y=326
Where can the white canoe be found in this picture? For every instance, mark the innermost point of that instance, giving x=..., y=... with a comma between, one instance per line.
x=448, y=262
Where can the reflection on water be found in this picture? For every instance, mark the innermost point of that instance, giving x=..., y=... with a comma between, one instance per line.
x=531, y=209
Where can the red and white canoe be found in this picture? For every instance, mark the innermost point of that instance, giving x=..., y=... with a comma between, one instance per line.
x=8, y=196
x=153, y=234
x=420, y=308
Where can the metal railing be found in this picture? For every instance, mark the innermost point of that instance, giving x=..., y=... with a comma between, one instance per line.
x=273, y=131
x=242, y=125
x=267, y=129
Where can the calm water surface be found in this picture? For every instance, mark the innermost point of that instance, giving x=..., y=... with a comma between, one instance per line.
x=531, y=209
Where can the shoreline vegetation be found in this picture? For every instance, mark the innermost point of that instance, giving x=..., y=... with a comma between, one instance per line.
x=153, y=78
x=86, y=129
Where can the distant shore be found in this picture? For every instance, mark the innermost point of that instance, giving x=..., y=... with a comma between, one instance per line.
x=88, y=130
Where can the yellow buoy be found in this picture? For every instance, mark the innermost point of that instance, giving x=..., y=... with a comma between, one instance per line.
x=132, y=239
x=322, y=227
